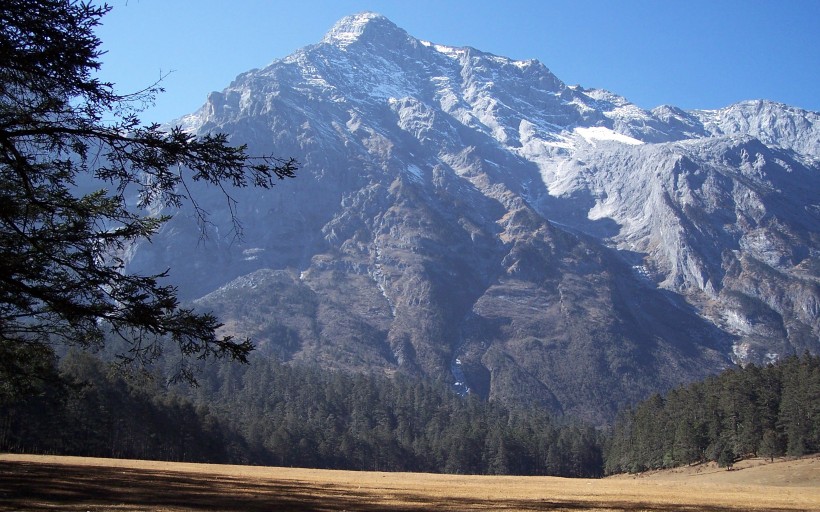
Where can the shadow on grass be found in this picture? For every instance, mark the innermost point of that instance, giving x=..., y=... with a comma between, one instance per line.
x=28, y=486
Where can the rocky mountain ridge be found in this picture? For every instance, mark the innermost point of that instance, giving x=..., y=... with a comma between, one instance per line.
x=473, y=219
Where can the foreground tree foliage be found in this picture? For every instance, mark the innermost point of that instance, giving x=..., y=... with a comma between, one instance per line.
x=67, y=175
x=743, y=412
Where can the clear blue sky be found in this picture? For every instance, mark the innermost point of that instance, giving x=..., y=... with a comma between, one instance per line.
x=692, y=54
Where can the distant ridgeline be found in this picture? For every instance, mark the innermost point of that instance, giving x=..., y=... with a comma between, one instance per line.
x=272, y=414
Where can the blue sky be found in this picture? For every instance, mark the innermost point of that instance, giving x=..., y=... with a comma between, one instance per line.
x=692, y=54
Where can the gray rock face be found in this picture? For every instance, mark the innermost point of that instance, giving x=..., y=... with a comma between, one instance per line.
x=471, y=218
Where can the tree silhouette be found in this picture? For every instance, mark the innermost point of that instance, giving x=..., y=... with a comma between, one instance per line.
x=65, y=173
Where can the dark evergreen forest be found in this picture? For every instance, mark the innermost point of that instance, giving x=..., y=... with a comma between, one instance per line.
x=274, y=414
x=743, y=412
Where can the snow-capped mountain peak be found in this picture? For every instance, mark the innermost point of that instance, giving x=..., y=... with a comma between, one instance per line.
x=462, y=210
x=364, y=26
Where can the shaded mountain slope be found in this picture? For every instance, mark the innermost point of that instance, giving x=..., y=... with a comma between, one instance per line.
x=471, y=218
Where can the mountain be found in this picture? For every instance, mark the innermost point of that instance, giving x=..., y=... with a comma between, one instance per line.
x=472, y=219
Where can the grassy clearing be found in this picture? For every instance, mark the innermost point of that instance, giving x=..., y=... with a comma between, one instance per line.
x=86, y=484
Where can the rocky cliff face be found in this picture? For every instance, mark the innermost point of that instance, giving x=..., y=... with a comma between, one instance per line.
x=471, y=218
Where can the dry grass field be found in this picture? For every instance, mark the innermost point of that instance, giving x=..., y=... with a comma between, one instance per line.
x=84, y=484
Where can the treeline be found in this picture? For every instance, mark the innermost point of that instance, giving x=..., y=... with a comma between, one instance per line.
x=752, y=411
x=273, y=414
x=96, y=412
x=307, y=418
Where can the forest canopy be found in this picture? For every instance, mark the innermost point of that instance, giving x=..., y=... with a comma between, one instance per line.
x=743, y=412
x=273, y=414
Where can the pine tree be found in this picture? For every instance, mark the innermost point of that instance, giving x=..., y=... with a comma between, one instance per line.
x=65, y=171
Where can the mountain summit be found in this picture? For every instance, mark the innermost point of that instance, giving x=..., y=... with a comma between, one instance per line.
x=364, y=27
x=472, y=219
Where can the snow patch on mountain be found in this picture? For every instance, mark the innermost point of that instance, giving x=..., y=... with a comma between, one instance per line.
x=415, y=172
x=601, y=133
